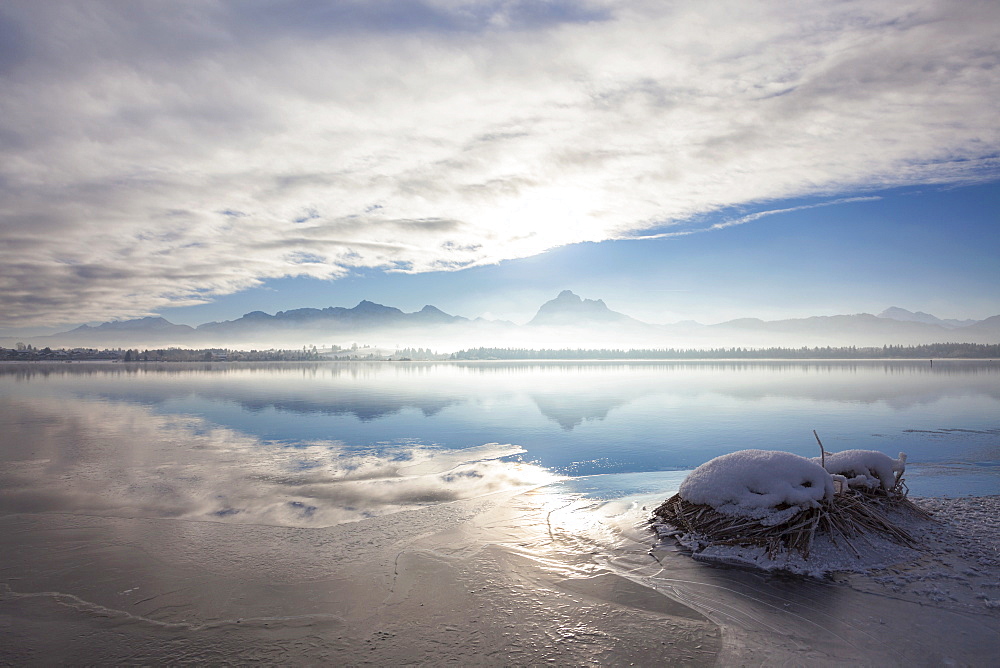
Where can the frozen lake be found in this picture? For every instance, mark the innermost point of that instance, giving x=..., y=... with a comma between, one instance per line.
x=303, y=505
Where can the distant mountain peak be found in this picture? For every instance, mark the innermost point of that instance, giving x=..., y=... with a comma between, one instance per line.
x=897, y=313
x=365, y=306
x=432, y=314
x=570, y=309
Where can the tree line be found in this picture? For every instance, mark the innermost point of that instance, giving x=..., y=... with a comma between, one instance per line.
x=31, y=354
x=928, y=351
x=934, y=350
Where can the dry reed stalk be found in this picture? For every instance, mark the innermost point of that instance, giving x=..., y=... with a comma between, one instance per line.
x=853, y=513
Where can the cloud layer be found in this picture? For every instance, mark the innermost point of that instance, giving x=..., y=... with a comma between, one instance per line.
x=156, y=155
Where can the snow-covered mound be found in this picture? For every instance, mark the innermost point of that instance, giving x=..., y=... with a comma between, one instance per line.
x=865, y=468
x=759, y=507
x=766, y=485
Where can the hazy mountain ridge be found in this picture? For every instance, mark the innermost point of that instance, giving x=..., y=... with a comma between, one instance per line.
x=990, y=325
x=566, y=321
x=901, y=314
x=820, y=323
x=147, y=324
x=365, y=314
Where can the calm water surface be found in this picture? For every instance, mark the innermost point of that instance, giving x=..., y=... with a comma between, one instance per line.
x=329, y=442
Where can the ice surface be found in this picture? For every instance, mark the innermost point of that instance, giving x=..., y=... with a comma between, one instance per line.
x=512, y=579
x=754, y=483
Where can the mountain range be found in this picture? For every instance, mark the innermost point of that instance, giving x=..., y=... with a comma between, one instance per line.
x=896, y=313
x=568, y=321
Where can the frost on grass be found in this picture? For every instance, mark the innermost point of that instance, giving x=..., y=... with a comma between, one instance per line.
x=772, y=509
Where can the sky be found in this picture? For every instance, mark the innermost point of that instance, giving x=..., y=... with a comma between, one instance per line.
x=684, y=160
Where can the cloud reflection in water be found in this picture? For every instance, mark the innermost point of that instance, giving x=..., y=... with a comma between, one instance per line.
x=97, y=457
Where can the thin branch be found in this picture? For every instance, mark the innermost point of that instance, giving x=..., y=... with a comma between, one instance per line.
x=822, y=452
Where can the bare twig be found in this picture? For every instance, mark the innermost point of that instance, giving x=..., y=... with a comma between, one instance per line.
x=822, y=451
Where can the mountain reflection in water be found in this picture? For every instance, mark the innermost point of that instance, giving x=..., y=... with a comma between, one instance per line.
x=576, y=418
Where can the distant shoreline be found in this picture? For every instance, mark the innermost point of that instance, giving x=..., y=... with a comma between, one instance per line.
x=920, y=352
x=327, y=360
x=937, y=351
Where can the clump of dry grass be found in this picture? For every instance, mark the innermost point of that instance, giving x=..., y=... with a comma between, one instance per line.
x=851, y=514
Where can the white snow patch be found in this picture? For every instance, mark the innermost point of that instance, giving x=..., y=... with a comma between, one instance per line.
x=753, y=483
x=865, y=468
x=825, y=555
x=959, y=557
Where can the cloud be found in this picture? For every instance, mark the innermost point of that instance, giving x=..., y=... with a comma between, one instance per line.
x=442, y=135
x=749, y=218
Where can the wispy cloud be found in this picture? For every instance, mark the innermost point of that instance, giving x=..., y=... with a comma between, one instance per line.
x=156, y=155
x=750, y=217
